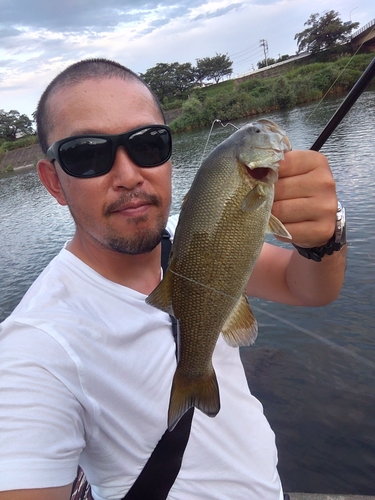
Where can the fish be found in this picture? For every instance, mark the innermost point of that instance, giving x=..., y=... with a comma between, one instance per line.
x=220, y=233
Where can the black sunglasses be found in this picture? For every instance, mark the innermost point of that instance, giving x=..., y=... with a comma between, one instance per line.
x=94, y=154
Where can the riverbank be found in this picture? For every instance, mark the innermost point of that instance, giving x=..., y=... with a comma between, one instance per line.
x=22, y=157
x=296, y=84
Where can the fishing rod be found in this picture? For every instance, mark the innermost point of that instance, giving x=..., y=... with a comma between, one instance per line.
x=345, y=106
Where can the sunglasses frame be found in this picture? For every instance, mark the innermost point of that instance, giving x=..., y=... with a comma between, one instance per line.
x=115, y=140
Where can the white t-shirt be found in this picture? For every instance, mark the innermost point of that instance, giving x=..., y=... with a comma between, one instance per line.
x=85, y=374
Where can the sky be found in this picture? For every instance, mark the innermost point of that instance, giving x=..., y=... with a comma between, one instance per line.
x=40, y=38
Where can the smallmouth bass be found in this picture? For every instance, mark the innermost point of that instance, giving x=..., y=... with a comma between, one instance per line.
x=222, y=225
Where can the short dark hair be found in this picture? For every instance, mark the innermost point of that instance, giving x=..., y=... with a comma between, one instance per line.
x=80, y=71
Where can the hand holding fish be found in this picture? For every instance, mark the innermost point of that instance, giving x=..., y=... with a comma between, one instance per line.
x=305, y=198
x=306, y=203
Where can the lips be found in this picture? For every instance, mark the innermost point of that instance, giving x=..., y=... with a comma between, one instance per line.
x=133, y=208
x=133, y=204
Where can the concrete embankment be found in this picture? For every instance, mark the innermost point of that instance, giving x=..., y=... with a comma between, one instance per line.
x=321, y=496
x=20, y=157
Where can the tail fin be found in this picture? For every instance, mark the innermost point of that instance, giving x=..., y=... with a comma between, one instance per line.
x=202, y=392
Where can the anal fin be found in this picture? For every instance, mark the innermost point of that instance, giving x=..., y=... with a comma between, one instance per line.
x=241, y=327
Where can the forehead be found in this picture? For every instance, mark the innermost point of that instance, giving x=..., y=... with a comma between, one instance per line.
x=101, y=105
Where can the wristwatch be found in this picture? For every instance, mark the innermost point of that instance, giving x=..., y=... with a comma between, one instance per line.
x=337, y=241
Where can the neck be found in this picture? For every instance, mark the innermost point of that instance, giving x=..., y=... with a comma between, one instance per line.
x=139, y=272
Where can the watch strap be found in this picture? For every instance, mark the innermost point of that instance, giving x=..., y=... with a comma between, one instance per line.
x=316, y=253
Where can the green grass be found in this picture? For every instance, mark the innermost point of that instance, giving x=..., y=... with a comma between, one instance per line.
x=18, y=143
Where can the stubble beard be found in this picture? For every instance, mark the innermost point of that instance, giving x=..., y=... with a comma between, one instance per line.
x=143, y=241
x=140, y=242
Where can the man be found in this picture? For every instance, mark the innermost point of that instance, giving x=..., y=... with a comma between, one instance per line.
x=86, y=365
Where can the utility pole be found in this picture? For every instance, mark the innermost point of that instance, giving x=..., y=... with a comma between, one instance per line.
x=264, y=44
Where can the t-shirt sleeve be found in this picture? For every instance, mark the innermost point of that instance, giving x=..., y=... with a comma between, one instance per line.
x=41, y=419
x=172, y=224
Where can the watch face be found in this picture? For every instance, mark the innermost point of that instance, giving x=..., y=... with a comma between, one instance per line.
x=340, y=232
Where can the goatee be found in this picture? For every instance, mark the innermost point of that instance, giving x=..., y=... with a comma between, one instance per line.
x=143, y=241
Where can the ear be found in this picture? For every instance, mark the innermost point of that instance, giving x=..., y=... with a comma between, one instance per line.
x=48, y=175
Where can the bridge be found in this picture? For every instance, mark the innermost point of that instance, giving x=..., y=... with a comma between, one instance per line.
x=364, y=36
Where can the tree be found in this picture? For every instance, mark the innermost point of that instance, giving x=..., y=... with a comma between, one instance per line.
x=170, y=80
x=324, y=32
x=176, y=80
x=14, y=125
x=213, y=68
x=184, y=78
x=265, y=62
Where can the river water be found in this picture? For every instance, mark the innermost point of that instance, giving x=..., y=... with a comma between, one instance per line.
x=312, y=368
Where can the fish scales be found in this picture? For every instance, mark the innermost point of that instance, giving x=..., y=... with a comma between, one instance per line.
x=220, y=233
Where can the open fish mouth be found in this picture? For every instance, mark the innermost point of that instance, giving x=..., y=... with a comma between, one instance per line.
x=259, y=173
x=266, y=168
x=263, y=174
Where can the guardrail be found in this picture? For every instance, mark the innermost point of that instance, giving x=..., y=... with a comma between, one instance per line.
x=364, y=28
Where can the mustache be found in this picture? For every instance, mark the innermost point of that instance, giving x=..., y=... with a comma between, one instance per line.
x=129, y=197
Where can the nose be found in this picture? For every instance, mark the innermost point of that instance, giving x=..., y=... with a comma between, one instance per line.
x=125, y=173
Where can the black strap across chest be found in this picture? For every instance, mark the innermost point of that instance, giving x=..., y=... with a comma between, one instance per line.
x=161, y=469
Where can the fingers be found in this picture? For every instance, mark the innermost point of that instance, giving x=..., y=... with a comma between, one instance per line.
x=305, y=198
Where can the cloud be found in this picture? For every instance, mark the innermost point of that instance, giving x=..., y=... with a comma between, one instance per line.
x=67, y=15
x=86, y=15
x=9, y=32
x=218, y=12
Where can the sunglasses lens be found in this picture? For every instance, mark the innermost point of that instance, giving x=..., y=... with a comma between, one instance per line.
x=150, y=147
x=86, y=156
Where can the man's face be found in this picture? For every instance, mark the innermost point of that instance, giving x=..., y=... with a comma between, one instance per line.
x=126, y=209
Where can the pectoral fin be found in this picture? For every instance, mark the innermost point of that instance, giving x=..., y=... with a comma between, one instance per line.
x=277, y=227
x=241, y=327
x=253, y=200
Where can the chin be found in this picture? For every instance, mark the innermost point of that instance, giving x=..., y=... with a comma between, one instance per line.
x=144, y=241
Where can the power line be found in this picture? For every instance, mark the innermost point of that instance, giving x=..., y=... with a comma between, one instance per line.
x=243, y=50
x=249, y=56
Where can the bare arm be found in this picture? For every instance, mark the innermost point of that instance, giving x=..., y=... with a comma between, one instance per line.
x=61, y=493
x=306, y=203
x=284, y=276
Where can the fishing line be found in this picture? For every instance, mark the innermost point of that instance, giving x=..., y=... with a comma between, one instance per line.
x=210, y=133
x=335, y=346
x=202, y=285
x=316, y=336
